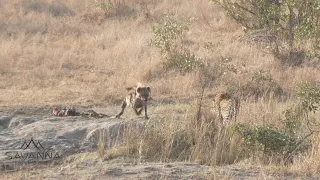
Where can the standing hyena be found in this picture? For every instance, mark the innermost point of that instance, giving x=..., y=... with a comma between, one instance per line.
x=137, y=99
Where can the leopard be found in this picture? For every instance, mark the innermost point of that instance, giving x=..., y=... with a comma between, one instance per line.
x=227, y=106
x=137, y=98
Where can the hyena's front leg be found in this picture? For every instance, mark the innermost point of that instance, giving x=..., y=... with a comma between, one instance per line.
x=123, y=106
x=145, y=110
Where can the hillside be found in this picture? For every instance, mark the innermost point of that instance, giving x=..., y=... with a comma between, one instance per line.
x=85, y=53
x=50, y=49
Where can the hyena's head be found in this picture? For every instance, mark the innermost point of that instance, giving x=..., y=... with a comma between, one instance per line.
x=143, y=93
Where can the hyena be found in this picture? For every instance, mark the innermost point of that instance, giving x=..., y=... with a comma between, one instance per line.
x=137, y=99
x=227, y=107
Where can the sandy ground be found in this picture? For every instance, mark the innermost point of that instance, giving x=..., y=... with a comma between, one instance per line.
x=75, y=141
x=115, y=170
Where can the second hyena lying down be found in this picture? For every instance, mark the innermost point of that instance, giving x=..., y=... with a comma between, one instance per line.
x=137, y=99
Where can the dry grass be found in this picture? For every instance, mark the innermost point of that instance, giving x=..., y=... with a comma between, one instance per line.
x=45, y=58
x=173, y=134
x=75, y=52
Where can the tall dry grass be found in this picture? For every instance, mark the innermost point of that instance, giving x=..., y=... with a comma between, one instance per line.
x=50, y=48
x=76, y=52
x=175, y=134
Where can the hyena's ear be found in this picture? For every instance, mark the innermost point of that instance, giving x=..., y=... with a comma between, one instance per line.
x=148, y=88
x=129, y=88
x=138, y=89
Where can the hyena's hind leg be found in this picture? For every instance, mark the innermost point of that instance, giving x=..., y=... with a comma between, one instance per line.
x=123, y=106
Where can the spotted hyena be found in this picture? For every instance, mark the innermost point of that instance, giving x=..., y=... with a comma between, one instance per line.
x=137, y=99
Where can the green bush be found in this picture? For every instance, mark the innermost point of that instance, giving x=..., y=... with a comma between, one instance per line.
x=293, y=118
x=183, y=61
x=166, y=38
x=290, y=21
x=269, y=141
x=166, y=34
x=309, y=94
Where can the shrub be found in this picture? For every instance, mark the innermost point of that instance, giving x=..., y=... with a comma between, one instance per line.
x=293, y=118
x=284, y=144
x=166, y=38
x=309, y=94
x=291, y=21
x=183, y=61
x=270, y=141
x=167, y=33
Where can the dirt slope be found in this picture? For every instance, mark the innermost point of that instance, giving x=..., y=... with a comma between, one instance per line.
x=75, y=140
